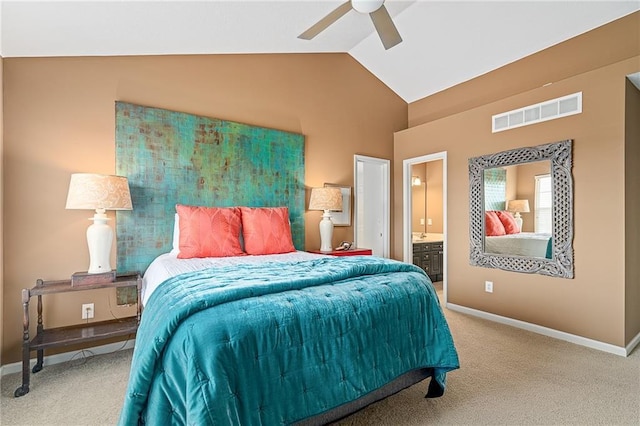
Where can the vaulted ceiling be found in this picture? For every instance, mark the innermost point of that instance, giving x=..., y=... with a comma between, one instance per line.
x=444, y=42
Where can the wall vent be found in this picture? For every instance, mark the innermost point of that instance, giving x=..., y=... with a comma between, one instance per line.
x=548, y=110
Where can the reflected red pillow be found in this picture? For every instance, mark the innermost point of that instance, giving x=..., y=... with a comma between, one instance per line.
x=509, y=222
x=209, y=231
x=266, y=230
x=493, y=225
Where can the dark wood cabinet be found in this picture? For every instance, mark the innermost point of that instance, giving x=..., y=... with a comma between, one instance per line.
x=428, y=256
x=66, y=336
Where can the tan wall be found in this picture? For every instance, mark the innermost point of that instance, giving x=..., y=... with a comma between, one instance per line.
x=426, y=199
x=592, y=304
x=511, y=192
x=434, y=196
x=632, y=207
x=59, y=119
x=418, y=199
x=526, y=189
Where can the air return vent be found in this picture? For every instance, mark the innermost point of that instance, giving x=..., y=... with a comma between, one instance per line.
x=548, y=110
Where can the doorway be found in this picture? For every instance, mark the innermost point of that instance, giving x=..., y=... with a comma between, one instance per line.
x=372, y=206
x=408, y=179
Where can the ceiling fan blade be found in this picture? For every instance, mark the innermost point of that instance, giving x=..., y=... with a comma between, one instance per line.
x=386, y=29
x=322, y=24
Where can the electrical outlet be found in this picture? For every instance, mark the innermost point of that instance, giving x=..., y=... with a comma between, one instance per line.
x=488, y=286
x=87, y=310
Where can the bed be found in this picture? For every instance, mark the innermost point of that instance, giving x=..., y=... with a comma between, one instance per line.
x=282, y=338
x=254, y=330
x=521, y=244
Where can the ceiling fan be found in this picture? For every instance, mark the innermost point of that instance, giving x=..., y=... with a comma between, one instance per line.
x=375, y=8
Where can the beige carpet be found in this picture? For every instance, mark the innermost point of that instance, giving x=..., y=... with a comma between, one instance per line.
x=507, y=377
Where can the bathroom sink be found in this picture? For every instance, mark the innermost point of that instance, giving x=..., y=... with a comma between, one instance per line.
x=426, y=238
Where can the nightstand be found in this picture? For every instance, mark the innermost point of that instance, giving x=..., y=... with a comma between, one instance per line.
x=351, y=252
x=65, y=336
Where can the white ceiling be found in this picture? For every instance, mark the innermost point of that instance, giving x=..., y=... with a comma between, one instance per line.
x=445, y=42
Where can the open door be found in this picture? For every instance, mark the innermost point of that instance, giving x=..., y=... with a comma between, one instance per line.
x=372, y=204
x=408, y=210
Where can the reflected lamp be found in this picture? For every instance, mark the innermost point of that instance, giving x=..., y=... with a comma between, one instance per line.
x=517, y=207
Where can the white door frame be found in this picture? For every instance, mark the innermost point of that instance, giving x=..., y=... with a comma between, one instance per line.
x=384, y=165
x=407, y=209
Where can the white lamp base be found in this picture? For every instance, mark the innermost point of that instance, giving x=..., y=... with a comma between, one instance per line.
x=518, y=220
x=99, y=239
x=326, y=231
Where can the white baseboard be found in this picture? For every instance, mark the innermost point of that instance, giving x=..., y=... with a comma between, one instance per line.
x=68, y=356
x=633, y=344
x=572, y=338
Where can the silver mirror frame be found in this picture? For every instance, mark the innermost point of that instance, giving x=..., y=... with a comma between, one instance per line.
x=561, y=262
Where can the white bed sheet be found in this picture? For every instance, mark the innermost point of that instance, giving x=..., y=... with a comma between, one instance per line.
x=522, y=244
x=168, y=265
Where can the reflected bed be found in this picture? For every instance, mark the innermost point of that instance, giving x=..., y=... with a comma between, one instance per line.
x=522, y=244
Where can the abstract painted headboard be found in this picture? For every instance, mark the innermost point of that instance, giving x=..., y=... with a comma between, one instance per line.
x=176, y=158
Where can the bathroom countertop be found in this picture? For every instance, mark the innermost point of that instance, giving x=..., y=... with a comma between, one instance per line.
x=428, y=238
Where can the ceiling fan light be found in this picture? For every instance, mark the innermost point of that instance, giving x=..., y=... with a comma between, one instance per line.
x=366, y=6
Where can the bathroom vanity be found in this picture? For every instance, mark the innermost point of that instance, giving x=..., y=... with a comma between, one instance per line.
x=427, y=254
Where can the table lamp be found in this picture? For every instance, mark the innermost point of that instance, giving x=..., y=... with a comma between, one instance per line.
x=327, y=199
x=88, y=191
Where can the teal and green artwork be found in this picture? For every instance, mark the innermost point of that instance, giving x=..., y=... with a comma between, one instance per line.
x=177, y=158
x=495, y=188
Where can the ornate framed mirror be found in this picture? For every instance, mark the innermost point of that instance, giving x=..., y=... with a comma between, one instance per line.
x=537, y=250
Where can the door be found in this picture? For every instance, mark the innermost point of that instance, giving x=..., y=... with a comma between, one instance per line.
x=372, y=206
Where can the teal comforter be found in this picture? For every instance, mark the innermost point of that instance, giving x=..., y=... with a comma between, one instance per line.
x=271, y=345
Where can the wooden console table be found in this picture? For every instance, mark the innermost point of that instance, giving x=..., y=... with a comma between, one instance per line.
x=79, y=333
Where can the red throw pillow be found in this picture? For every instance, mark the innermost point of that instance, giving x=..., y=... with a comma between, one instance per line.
x=209, y=231
x=266, y=230
x=509, y=222
x=493, y=225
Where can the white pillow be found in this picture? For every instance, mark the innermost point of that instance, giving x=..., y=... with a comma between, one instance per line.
x=176, y=235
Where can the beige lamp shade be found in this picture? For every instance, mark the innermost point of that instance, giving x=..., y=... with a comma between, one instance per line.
x=89, y=191
x=518, y=206
x=326, y=198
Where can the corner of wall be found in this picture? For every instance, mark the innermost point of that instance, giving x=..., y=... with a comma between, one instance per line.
x=1, y=203
x=632, y=205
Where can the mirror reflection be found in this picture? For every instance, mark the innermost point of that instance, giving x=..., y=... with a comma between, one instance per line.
x=521, y=210
x=426, y=202
x=518, y=210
